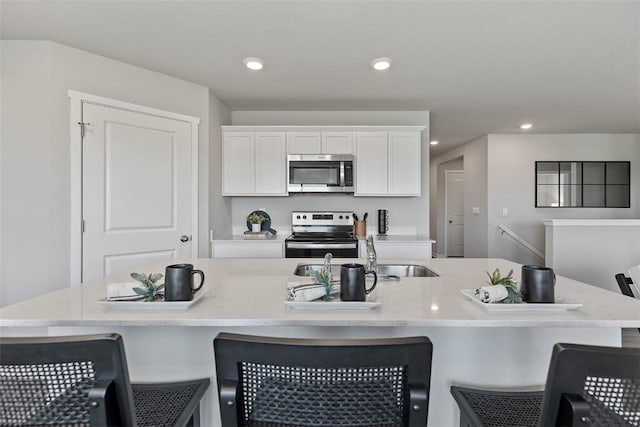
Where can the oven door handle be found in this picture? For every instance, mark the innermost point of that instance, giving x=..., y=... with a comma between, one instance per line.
x=294, y=245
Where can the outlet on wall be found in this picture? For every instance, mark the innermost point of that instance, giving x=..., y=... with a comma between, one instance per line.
x=505, y=211
x=475, y=211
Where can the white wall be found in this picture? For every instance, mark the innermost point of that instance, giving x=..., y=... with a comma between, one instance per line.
x=403, y=211
x=36, y=76
x=474, y=162
x=219, y=207
x=511, y=183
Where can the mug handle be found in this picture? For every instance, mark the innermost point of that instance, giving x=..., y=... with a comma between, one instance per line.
x=375, y=280
x=194, y=290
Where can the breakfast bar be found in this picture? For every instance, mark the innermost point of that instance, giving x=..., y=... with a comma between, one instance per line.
x=474, y=345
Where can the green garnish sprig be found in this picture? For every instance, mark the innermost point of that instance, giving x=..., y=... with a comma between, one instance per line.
x=507, y=281
x=149, y=289
x=324, y=278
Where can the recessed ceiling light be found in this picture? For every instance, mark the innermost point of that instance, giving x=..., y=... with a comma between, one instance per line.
x=254, y=63
x=434, y=142
x=526, y=126
x=381, y=64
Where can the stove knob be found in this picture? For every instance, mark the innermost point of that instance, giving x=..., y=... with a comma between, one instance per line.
x=304, y=217
x=346, y=217
x=298, y=217
x=340, y=216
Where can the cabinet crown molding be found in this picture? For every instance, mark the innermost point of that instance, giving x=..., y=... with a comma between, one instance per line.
x=315, y=128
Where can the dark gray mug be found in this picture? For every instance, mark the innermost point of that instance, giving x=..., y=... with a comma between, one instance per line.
x=537, y=284
x=352, y=283
x=178, y=282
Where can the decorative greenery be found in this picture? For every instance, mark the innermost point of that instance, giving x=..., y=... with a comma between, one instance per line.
x=324, y=278
x=507, y=281
x=256, y=218
x=149, y=289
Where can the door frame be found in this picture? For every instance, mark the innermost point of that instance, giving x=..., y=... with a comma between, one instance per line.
x=77, y=99
x=446, y=209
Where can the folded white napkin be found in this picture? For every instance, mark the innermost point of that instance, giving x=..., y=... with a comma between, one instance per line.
x=122, y=291
x=309, y=292
x=491, y=294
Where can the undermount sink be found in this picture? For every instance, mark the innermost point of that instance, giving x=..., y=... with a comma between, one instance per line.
x=385, y=271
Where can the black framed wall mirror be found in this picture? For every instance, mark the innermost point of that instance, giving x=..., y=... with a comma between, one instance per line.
x=585, y=184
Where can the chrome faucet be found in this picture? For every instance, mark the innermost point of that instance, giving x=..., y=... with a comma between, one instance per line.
x=372, y=258
x=326, y=269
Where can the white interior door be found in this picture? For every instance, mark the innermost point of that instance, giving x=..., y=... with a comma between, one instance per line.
x=137, y=197
x=454, y=215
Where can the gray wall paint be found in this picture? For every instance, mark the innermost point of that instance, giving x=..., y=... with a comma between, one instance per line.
x=219, y=207
x=403, y=211
x=36, y=76
x=499, y=173
x=511, y=181
x=474, y=160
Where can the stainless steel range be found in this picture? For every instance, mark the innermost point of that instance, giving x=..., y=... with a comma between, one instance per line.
x=315, y=234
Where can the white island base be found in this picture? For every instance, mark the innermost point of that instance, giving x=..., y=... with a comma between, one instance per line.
x=484, y=357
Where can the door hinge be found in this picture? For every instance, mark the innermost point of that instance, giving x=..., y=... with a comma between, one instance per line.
x=82, y=125
x=82, y=226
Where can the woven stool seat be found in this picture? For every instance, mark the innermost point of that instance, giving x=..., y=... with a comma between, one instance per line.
x=586, y=385
x=167, y=404
x=498, y=408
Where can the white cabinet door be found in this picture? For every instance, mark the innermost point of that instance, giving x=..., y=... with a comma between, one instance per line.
x=237, y=163
x=270, y=163
x=337, y=143
x=236, y=249
x=371, y=163
x=404, y=164
x=304, y=143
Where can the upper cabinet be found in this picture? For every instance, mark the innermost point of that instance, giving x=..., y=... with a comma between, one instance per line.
x=388, y=159
x=254, y=164
x=304, y=142
x=388, y=163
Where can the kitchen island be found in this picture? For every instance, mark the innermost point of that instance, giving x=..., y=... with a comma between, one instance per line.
x=472, y=346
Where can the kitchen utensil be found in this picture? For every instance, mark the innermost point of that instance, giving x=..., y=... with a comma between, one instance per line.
x=352, y=283
x=360, y=228
x=366, y=214
x=537, y=284
x=355, y=216
x=178, y=284
x=266, y=226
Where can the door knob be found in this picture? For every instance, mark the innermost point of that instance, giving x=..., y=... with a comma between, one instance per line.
x=450, y=222
x=184, y=238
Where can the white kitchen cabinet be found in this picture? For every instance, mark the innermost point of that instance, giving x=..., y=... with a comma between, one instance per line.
x=371, y=163
x=270, y=163
x=388, y=163
x=238, y=163
x=320, y=142
x=417, y=249
x=338, y=143
x=304, y=142
x=404, y=164
x=247, y=249
x=254, y=164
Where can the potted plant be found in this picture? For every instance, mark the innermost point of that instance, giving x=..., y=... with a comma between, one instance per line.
x=256, y=220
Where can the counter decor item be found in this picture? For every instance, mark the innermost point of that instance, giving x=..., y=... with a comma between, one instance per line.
x=178, y=284
x=501, y=289
x=383, y=222
x=256, y=220
x=264, y=224
x=538, y=284
x=149, y=290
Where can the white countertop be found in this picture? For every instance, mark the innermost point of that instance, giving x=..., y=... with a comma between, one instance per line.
x=251, y=292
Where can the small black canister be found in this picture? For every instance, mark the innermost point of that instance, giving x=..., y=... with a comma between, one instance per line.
x=383, y=222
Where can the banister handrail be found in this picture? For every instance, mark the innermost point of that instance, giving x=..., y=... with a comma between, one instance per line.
x=521, y=240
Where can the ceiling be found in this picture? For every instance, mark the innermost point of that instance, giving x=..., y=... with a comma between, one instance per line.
x=479, y=66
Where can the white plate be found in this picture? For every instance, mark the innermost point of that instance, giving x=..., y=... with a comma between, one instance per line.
x=560, y=305
x=336, y=304
x=155, y=305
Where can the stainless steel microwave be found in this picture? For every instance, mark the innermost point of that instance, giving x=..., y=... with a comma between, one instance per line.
x=320, y=173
